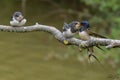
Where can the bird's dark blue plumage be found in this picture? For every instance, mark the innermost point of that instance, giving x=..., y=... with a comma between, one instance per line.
x=85, y=25
x=16, y=14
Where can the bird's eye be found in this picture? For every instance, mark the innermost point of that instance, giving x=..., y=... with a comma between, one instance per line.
x=16, y=15
x=76, y=23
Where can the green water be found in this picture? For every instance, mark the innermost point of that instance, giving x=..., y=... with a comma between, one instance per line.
x=36, y=55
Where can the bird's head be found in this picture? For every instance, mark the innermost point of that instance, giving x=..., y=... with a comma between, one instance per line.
x=84, y=25
x=18, y=16
x=75, y=25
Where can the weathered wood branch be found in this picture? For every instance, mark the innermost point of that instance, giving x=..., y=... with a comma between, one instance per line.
x=109, y=43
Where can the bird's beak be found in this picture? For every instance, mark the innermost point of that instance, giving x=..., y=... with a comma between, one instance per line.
x=20, y=18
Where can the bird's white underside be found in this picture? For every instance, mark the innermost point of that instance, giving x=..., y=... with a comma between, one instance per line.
x=84, y=35
x=68, y=33
x=14, y=22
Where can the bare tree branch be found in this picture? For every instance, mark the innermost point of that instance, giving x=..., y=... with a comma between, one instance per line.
x=109, y=43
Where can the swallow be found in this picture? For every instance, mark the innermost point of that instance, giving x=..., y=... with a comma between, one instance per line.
x=85, y=34
x=17, y=19
x=69, y=30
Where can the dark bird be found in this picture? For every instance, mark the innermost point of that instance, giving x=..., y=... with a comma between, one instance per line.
x=17, y=19
x=86, y=34
x=69, y=30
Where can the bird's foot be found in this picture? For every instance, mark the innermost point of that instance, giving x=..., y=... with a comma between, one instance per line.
x=81, y=45
x=65, y=42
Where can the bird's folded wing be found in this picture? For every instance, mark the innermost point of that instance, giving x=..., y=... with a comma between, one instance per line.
x=65, y=27
x=95, y=34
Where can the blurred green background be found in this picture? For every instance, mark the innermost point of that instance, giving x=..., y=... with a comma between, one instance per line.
x=39, y=56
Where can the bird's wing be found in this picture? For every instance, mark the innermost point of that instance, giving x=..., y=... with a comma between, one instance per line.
x=65, y=27
x=94, y=34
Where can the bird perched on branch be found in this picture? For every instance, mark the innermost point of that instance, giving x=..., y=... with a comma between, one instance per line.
x=85, y=34
x=70, y=29
x=17, y=19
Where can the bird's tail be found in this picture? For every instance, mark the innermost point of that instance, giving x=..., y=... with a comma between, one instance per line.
x=100, y=48
x=91, y=54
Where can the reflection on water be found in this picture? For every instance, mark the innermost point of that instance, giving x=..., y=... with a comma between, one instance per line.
x=31, y=56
